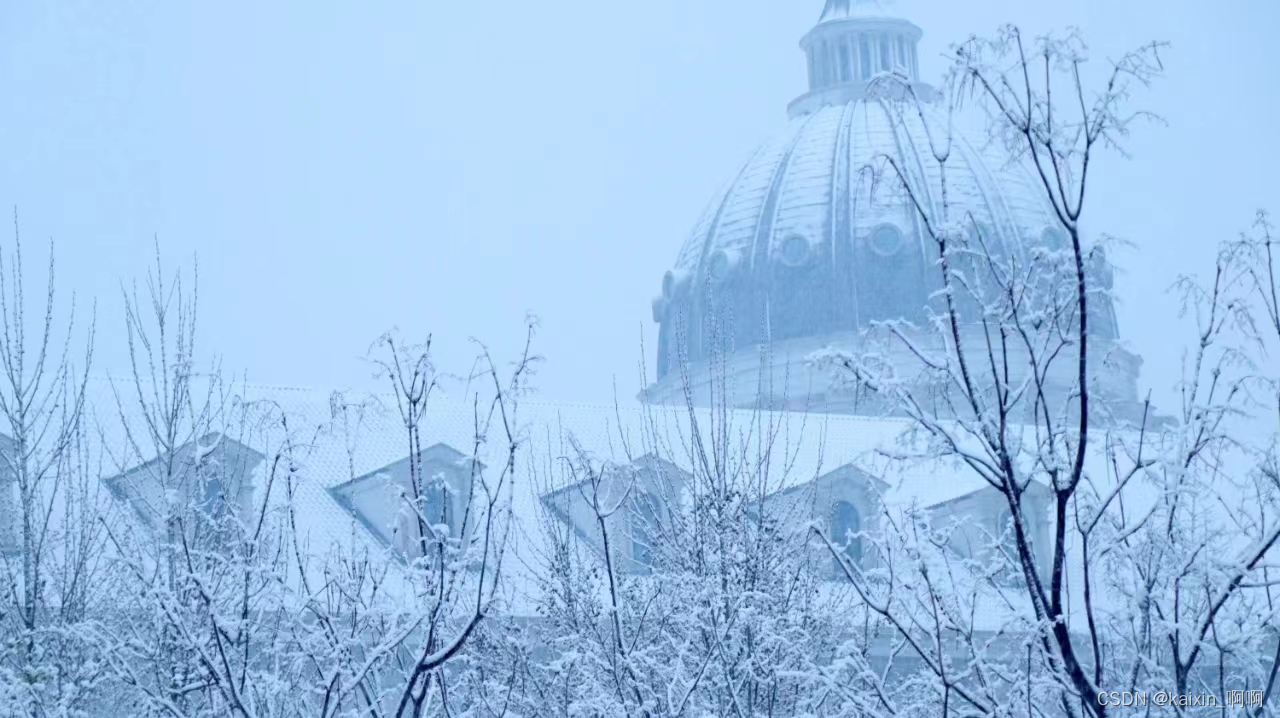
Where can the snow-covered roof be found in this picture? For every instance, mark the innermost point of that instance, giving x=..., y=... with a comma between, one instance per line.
x=339, y=437
x=810, y=180
x=807, y=241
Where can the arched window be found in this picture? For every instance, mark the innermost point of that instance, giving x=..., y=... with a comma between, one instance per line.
x=1006, y=534
x=1007, y=539
x=644, y=528
x=211, y=483
x=845, y=525
x=435, y=502
x=8, y=509
x=424, y=525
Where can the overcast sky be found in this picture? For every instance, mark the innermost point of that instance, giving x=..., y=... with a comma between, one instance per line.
x=341, y=168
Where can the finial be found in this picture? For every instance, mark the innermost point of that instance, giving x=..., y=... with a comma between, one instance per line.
x=834, y=9
x=844, y=9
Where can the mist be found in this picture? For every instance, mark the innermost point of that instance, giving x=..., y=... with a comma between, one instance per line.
x=449, y=168
x=639, y=359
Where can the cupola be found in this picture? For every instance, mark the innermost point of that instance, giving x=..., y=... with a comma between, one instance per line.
x=853, y=42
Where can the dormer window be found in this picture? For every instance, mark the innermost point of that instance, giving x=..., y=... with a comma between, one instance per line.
x=846, y=525
x=645, y=528
x=407, y=520
x=210, y=478
x=10, y=519
x=1005, y=531
x=637, y=499
x=1007, y=541
x=436, y=500
x=9, y=528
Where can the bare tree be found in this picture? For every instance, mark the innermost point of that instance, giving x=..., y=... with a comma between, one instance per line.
x=674, y=574
x=1008, y=389
x=385, y=626
x=200, y=557
x=48, y=544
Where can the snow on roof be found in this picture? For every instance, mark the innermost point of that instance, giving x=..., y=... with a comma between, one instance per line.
x=338, y=437
x=795, y=168
x=341, y=436
x=807, y=198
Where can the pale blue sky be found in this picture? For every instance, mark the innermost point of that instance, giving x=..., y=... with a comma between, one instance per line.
x=344, y=167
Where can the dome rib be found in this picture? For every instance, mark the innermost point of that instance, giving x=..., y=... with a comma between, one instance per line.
x=856, y=177
x=769, y=209
x=1000, y=222
x=756, y=254
x=840, y=223
x=699, y=275
x=809, y=181
x=714, y=227
x=905, y=160
x=923, y=185
x=761, y=279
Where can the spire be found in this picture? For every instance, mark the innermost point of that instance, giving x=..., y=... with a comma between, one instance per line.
x=850, y=9
x=854, y=41
x=835, y=9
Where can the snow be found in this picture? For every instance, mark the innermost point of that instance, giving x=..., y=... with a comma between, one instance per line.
x=791, y=187
x=804, y=447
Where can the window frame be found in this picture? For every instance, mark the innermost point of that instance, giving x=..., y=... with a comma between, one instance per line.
x=848, y=540
x=645, y=523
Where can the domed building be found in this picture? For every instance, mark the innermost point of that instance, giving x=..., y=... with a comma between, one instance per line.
x=811, y=242
x=802, y=250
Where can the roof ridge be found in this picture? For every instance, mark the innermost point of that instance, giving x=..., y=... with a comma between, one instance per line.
x=630, y=407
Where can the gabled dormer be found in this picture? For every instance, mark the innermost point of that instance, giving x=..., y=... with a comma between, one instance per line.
x=200, y=483
x=845, y=502
x=980, y=527
x=640, y=500
x=413, y=520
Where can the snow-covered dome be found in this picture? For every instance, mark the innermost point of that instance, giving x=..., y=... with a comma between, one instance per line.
x=799, y=247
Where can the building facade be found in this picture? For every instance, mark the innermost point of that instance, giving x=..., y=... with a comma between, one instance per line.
x=818, y=239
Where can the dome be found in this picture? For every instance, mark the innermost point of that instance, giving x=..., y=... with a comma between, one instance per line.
x=807, y=243
x=800, y=243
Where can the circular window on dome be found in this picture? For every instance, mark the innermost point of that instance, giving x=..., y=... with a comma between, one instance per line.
x=718, y=268
x=795, y=250
x=980, y=234
x=886, y=240
x=1053, y=238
